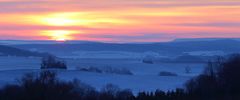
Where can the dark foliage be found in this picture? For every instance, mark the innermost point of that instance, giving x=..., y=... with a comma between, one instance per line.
x=148, y=60
x=165, y=73
x=107, y=70
x=220, y=81
x=40, y=87
x=51, y=62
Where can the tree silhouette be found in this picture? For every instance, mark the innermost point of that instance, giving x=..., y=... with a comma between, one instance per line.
x=52, y=62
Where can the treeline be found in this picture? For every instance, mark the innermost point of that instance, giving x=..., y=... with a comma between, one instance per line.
x=220, y=81
x=46, y=86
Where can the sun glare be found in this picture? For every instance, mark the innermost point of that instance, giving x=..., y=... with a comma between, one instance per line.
x=59, y=35
x=59, y=21
x=79, y=19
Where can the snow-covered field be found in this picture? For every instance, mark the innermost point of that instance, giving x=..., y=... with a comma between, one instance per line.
x=206, y=53
x=112, y=54
x=145, y=76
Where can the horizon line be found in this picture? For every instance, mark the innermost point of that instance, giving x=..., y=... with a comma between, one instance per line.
x=173, y=40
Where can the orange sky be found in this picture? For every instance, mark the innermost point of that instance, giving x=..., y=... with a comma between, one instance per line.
x=119, y=20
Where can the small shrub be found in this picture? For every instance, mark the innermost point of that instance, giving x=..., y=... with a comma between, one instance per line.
x=121, y=71
x=107, y=70
x=91, y=69
x=165, y=73
x=148, y=60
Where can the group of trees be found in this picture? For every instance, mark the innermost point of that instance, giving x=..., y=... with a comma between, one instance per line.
x=46, y=86
x=220, y=81
x=51, y=62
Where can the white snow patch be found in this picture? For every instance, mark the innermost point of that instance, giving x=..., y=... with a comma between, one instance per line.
x=206, y=53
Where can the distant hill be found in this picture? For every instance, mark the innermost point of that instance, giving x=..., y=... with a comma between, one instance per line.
x=203, y=39
x=172, y=48
x=222, y=44
x=11, y=51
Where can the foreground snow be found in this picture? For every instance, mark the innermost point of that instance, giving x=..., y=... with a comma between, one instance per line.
x=136, y=83
x=145, y=76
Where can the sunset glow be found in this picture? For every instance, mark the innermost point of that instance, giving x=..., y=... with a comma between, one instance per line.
x=119, y=21
x=58, y=20
x=59, y=35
